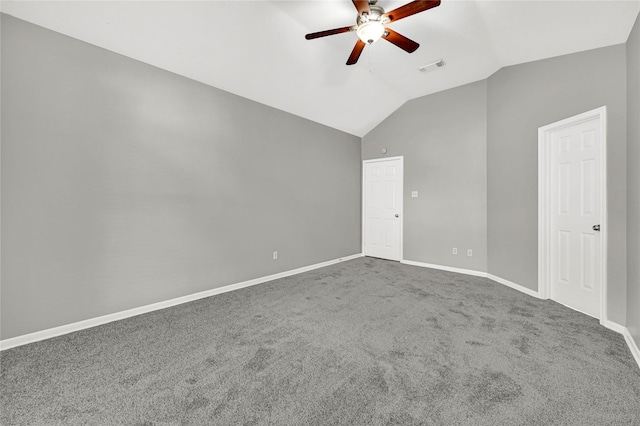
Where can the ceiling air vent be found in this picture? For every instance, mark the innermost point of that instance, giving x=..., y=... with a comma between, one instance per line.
x=432, y=66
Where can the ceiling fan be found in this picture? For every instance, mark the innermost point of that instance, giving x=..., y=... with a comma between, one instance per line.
x=371, y=25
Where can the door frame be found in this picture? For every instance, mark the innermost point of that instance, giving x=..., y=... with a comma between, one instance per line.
x=544, y=202
x=364, y=199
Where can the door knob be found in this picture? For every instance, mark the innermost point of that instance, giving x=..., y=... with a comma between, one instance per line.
x=397, y=215
x=596, y=227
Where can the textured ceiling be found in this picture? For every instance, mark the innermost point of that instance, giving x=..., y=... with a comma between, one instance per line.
x=257, y=49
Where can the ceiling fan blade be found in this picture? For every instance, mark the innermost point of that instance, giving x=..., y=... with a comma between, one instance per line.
x=399, y=40
x=362, y=6
x=330, y=32
x=355, y=54
x=409, y=9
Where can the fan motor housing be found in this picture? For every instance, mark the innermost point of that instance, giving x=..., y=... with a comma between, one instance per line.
x=375, y=15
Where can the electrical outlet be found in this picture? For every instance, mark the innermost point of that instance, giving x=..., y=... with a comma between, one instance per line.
x=275, y=255
x=455, y=250
x=469, y=252
x=414, y=194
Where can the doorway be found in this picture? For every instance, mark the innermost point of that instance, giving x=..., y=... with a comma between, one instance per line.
x=572, y=212
x=382, y=202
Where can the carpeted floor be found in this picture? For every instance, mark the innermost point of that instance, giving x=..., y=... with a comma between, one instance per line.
x=365, y=342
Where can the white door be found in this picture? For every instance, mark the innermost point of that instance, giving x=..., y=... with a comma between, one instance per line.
x=575, y=216
x=382, y=208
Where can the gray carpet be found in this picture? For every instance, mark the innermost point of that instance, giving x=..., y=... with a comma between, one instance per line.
x=358, y=343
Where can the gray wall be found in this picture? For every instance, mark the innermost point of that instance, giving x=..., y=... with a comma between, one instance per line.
x=523, y=98
x=124, y=185
x=443, y=140
x=474, y=149
x=633, y=188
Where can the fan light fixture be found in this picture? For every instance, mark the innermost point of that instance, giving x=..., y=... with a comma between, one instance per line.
x=371, y=25
x=370, y=31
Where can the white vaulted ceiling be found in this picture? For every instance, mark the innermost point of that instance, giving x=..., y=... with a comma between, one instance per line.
x=257, y=49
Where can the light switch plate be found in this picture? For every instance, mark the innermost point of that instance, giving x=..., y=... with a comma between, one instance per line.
x=414, y=194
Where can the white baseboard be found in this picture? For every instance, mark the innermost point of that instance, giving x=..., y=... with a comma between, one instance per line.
x=92, y=322
x=614, y=326
x=514, y=286
x=445, y=268
x=492, y=277
x=633, y=347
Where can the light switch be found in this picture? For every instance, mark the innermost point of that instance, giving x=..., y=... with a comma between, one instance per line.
x=414, y=194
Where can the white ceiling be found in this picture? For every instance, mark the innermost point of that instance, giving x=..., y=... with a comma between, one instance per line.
x=257, y=49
